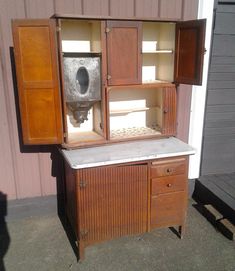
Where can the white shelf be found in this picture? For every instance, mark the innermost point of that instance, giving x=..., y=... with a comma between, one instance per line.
x=158, y=52
x=128, y=111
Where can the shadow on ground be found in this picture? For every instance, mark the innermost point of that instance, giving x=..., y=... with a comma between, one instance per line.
x=4, y=235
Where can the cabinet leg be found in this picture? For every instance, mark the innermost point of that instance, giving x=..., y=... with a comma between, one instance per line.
x=81, y=251
x=182, y=231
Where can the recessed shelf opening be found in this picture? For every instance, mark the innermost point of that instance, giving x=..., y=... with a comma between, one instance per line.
x=135, y=112
x=158, y=47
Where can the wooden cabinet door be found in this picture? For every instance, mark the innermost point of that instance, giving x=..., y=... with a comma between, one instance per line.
x=38, y=81
x=189, y=52
x=124, y=52
x=169, y=111
x=112, y=202
x=168, y=209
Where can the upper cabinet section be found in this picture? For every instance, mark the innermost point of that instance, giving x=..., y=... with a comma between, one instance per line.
x=189, y=54
x=86, y=81
x=124, y=52
x=155, y=52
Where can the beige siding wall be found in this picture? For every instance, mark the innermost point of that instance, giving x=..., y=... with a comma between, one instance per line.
x=25, y=171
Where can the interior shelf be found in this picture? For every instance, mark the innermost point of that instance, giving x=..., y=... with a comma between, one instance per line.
x=147, y=85
x=128, y=111
x=158, y=52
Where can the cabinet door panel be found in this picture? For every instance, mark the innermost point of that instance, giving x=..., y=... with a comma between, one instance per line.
x=112, y=202
x=169, y=111
x=189, y=53
x=124, y=52
x=38, y=81
x=168, y=209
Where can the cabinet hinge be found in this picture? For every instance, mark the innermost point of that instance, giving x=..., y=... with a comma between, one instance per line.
x=58, y=28
x=83, y=234
x=82, y=184
x=107, y=30
x=65, y=135
x=109, y=77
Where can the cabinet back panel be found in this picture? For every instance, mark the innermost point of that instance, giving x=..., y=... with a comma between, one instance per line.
x=80, y=36
x=135, y=108
x=157, y=65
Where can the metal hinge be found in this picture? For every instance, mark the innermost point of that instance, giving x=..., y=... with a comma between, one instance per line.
x=58, y=28
x=107, y=30
x=109, y=77
x=83, y=234
x=82, y=184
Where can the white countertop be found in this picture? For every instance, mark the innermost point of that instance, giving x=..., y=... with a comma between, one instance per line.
x=126, y=152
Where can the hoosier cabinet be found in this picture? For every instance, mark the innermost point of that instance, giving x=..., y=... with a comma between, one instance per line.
x=104, y=90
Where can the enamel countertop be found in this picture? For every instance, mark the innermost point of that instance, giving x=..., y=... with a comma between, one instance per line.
x=126, y=152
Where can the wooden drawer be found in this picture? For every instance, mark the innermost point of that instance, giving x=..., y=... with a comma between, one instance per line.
x=168, y=167
x=168, y=209
x=168, y=184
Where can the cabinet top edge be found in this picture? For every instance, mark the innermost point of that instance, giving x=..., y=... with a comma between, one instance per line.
x=147, y=19
x=126, y=152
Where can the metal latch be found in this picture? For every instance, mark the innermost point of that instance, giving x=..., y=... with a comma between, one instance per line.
x=83, y=234
x=107, y=30
x=82, y=184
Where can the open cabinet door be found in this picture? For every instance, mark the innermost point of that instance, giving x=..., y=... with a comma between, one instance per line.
x=189, y=52
x=38, y=81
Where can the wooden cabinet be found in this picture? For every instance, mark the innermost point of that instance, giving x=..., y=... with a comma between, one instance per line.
x=72, y=71
x=112, y=201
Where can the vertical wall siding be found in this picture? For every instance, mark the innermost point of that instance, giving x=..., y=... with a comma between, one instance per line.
x=27, y=172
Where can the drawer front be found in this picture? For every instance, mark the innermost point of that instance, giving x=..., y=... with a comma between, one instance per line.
x=168, y=184
x=168, y=209
x=173, y=167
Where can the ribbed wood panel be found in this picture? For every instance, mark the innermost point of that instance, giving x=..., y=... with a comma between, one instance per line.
x=113, y=202
x=169, y=115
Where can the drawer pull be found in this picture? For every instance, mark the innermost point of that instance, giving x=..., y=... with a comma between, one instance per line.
x=169, y=185
x=168, y=170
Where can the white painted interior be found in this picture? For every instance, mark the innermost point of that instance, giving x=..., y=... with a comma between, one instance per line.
x=158, y=45
x=80, y=36
x=135, y=108
x=205, y=10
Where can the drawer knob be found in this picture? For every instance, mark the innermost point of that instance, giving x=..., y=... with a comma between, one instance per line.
x=168, y=170
x=169, y=185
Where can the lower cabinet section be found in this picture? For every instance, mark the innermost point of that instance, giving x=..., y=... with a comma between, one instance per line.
x=107, y=202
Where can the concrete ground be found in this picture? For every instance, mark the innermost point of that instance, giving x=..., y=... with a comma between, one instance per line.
x=39, y=243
